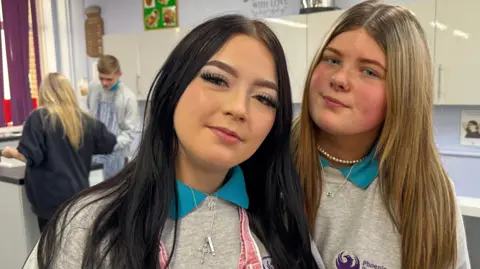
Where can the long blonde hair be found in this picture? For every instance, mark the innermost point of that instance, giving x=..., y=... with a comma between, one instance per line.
x=58, y=97
x=414, y=185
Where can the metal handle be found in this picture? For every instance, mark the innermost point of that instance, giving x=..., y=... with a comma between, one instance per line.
x=139, y=72
x=439, y=81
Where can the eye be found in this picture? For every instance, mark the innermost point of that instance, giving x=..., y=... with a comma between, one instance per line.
x=331, y=60
x=267, y=100
x=215, y=79
x=370, y=73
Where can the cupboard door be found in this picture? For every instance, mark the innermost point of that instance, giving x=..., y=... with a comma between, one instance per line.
x=319, y=25
x=154, y=47
x=457, y=43
x=424, y=11
x=124, y=48
x=459, y=84
x=292, y=33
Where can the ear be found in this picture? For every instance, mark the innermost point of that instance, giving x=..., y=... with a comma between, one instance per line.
x=119, y=74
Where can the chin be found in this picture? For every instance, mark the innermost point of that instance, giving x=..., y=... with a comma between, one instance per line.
x=221, y=159
x=331, y=125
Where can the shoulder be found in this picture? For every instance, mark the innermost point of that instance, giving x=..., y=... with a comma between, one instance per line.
x=37, y=116
x=39, y=112
x=94, y=85
x=127, y=92
x=82, y=213
x=94, y=88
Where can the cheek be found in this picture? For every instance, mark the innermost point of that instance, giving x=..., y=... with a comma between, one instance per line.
x=261, y=127
x=318, y=78
x=189, y=110
x=371, y=104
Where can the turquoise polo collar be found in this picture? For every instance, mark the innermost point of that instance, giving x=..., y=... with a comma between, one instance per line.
x=115, y=86
x=234, y=191
x=363, y=173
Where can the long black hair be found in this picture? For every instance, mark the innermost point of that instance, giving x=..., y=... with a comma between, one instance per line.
x=135, y=202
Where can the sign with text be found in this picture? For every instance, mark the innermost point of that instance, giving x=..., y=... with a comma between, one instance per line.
x=268, y=8
x=159, y=14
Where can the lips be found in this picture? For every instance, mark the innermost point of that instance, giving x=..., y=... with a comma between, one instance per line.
x=333, y=101
x=226, y=134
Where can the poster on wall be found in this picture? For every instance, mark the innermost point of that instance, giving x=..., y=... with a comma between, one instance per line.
x=159, y=14
x=470, y=128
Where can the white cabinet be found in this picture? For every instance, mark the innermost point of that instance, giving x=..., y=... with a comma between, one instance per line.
x=459, y=84
x=154, y=47
x=124, y=48
x=424, y=11
x=319, y=25
x=457, y=45
x=141, y=55
x=292, y=34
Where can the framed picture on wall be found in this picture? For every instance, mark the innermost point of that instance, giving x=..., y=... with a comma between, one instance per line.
x=470, y=128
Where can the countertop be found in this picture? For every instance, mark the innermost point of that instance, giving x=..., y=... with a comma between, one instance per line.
x=14, y=174
x=469, y=206
x=10, y=133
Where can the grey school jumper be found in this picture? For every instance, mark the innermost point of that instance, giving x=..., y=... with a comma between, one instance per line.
x=355, y=231
x=235, y=246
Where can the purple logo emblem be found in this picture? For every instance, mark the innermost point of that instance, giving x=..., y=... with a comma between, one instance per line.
x=347, y=260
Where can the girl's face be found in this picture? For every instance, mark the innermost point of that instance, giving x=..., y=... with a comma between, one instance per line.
x=472, y=127
x=228, y=110
x=347, y=94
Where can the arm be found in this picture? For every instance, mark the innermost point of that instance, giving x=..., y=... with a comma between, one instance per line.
x=129, y=125
x=70, y=251
x=32, y=147
x=105, y=141
x=71, y=234
x=10, y=153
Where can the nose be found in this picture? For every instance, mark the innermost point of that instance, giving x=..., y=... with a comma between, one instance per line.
x=339, y=81
x=237, y=105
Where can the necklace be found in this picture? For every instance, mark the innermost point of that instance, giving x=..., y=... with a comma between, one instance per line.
x=208, y=242
x=326, y=154
x=331, y=193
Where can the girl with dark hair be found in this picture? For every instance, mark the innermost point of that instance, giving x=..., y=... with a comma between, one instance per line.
x=213, y=184
x=472, y=129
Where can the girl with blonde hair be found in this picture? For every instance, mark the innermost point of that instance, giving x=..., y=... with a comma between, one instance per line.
x=377, y=195
x=57, y=144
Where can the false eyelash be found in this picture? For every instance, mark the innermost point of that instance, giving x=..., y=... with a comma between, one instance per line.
x=267, y=100
x=214, y=78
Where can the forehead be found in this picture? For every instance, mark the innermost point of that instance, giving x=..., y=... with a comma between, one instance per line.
x=359, y=44
x=107, y=76
x=248, y=56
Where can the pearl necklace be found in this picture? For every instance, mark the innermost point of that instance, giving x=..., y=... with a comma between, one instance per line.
x=324, y=153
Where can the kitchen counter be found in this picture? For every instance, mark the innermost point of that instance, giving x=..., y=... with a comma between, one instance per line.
x=14, y=174
x=10, y=133
x=469, y=206
x=11, y=137
x=19, y=226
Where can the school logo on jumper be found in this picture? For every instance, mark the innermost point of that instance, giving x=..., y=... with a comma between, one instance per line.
x=267, y=263
x=348, y=260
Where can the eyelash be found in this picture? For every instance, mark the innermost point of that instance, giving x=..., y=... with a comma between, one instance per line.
x=372, y=73
x=220, y=80
x=267, y=100
x=214, y=79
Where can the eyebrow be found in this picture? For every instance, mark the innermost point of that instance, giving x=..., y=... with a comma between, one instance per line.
x=232, y=71
x=361, y=60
